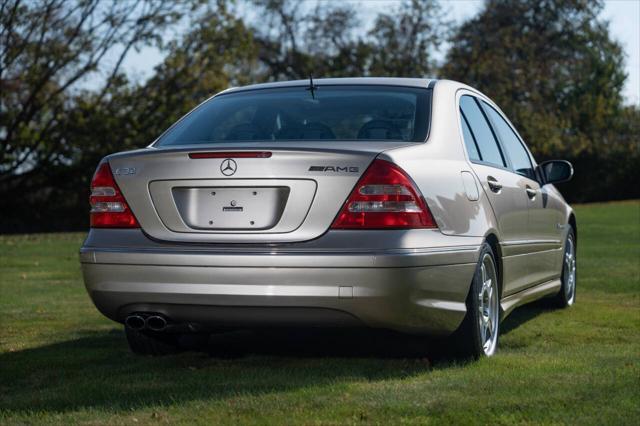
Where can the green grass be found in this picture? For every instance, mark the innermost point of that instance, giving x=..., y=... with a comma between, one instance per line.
x=61, y=362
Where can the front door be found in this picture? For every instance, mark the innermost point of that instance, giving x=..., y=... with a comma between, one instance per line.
x=546, y=226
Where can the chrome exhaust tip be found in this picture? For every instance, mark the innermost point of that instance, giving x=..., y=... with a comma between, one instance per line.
x=135, y=322
x=156, y=323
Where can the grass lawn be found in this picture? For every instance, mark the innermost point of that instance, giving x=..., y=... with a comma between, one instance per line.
x=62, y=362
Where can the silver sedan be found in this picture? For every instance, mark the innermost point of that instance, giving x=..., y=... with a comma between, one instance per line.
x=404, y=204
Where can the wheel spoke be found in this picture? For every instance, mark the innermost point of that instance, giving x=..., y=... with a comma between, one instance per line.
x=568, y=261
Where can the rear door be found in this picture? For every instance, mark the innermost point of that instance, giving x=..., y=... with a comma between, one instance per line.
x=542, y=239
x=505, y=190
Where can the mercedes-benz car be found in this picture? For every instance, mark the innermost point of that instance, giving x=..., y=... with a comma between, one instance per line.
x=410, y=205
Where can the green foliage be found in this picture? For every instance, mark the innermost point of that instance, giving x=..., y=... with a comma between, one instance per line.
x=207, y=60
x=552, y=67
x=48, y=48
x=555, y=71
x=48, y=123
x=403, y=41
x=295, y=42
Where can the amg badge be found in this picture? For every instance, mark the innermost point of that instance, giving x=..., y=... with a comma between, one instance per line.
x=337, y=169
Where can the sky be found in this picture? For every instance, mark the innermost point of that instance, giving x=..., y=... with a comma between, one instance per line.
x=623, y=17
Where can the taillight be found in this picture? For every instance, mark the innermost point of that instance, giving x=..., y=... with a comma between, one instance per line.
x=109, y=209
x=384, y=197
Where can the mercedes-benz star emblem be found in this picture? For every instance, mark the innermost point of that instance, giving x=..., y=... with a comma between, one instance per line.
x=228, y=167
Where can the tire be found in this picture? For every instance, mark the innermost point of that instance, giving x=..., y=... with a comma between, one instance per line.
x=149, y=343
x=478, y=334
x=567, y=294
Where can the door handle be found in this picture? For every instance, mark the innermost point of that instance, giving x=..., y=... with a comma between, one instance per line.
x=494, y=185
x=531, y=193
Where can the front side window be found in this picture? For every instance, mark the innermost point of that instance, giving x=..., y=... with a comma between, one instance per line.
x=339, y=112
x=518, y=155
x=482, y=133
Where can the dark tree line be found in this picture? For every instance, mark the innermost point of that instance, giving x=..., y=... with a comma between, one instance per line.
x=65, y=101
x=553, y=67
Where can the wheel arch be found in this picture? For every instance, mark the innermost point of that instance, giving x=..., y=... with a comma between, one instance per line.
x=574, y=225
x=494, y=243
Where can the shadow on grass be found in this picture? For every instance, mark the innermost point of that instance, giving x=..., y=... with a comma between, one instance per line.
x=98, y=371
x=525, y=313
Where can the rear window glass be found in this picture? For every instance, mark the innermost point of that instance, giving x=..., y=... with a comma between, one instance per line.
x=358, y=113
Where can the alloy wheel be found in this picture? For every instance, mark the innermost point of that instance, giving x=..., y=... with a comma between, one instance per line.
x=488, y=306
x=569, y=271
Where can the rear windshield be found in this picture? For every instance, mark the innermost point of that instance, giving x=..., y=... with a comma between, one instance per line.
x=352, y=113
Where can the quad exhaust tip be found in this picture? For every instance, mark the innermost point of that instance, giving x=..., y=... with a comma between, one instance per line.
x=135, y=322
x=156, y=323
x=151, y=322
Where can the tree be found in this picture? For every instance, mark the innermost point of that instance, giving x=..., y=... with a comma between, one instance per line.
x=48, y=49
x=403, y=42
x=216, y=53
x=329, y=41
x=555, y=71
x=49, y=120
x=295, y=41
x=551, y=66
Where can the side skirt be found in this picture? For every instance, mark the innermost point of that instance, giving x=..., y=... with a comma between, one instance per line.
x=511, y=302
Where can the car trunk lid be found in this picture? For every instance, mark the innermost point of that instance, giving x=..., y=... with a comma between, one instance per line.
x=272, y=194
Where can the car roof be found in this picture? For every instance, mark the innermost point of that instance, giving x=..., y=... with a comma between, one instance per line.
x=351, y=81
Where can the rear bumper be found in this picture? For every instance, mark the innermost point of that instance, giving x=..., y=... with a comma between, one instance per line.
x=420, y=291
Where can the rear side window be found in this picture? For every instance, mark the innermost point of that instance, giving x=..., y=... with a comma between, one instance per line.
x=515, y=150
x=338, y=112
x=469, y=140
x=482, y=134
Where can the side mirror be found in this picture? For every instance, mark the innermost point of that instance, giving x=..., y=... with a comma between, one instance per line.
x=555, y=171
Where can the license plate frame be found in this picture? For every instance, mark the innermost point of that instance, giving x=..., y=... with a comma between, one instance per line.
x=231, y=207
